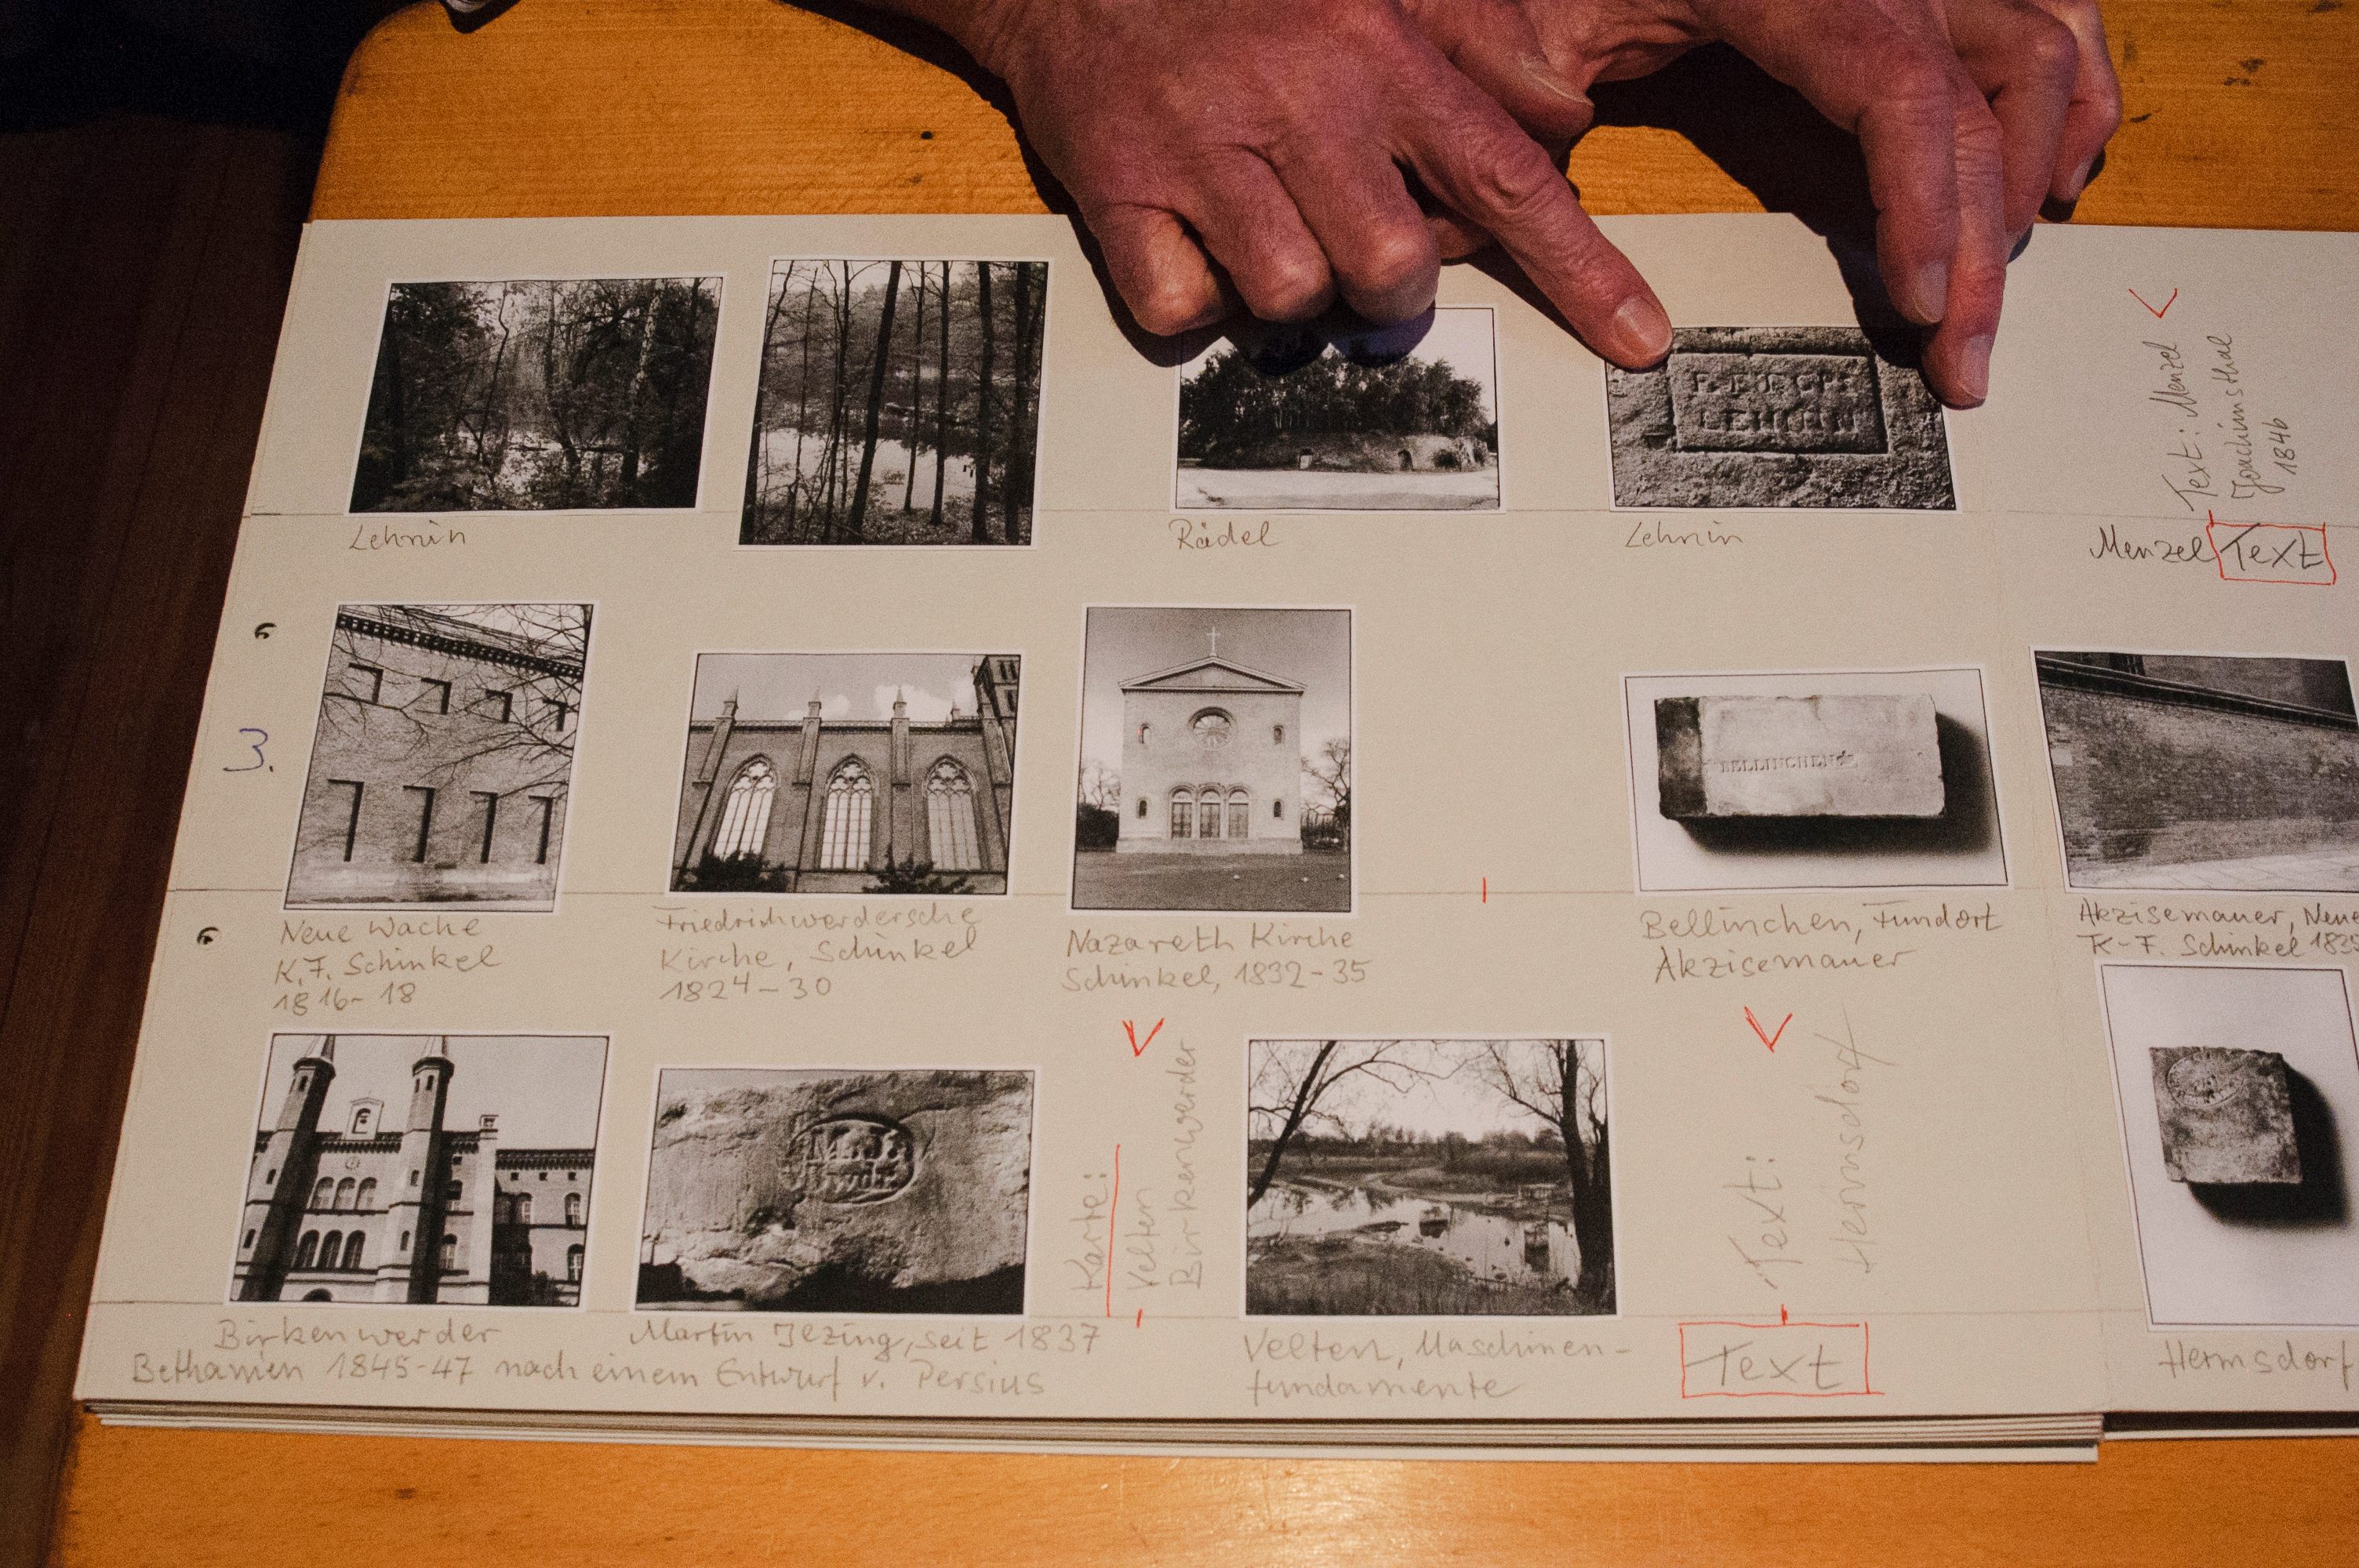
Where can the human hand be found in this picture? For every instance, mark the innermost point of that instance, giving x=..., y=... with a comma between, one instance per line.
x=1290, y=145
x=1970, y=113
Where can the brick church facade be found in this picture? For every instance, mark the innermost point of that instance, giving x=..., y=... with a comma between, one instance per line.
x=1212, y=760
x=359, y=1210
x=815, y=805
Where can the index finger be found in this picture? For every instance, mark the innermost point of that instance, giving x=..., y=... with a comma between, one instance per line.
x=1479, y=163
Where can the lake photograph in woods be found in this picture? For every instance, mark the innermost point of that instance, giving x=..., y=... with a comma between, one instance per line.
x=1294, y=419
x=1427, y=1178
x=898, y=404
x=537, y=394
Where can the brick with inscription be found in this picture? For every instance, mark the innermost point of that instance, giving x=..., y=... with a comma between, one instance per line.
x=1852, y=756
x=2227, y=1117
x=1776, y=403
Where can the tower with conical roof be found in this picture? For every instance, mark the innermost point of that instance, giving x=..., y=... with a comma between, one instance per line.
x=278, y=1183
x=417, y=1210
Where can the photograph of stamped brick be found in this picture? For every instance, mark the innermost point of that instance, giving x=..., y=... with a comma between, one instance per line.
x=2237, y=1086
x=1216, y=760
x=422, y=1168
x=1427, y=1178
x=1292, y=417
x=838, y=1191
x=1777, y=416
x=848, y=773
x=538, y=395
x=2203, y=772
x=1855, y=778
x=443, y=759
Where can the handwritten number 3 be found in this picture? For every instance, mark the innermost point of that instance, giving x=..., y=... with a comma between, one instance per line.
x=261, y=738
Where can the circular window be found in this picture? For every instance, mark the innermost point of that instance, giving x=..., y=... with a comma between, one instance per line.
x=1212, y=729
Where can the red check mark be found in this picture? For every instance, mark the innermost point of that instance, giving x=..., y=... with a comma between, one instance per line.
x=1769, y=1040
x=2166, y=304
x=1137, y=1046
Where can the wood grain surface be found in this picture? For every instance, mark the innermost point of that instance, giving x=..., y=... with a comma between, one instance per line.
x=2242, y=113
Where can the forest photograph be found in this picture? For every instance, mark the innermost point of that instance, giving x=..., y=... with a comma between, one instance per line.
x=1430, y=1178
x=1301, y=421
x=899, y=403
x=538, y=395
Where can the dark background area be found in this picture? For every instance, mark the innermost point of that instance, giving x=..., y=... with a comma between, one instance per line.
x=156, y=164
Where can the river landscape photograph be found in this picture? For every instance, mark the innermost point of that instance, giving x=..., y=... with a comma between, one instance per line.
x=1428, y=1177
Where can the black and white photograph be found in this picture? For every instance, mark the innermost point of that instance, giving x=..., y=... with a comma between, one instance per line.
x=848, y=773
x=899, y=403
x=442, y=764
x=426, y=1169
x=2238, y=1088
x=1290, y=418
x=1739, y=417
x=850, y=1190
x=2203, y=772
x=540, y=394
x=1216, y=760
x=1428, y=1178
x=1813, y=779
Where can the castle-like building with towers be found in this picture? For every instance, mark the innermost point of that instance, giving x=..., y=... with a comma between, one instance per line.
x=1212, y=760
x=814, y=805
x=350, y=1208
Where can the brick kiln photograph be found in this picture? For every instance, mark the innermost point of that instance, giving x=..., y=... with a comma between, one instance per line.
x=1777, y=416
x=841, y=1190
x=848, y=773
x=2203, y=772
x=1290, y=418
x=1216, y=760
x=422, y=1168
x=442, y=761
x=1427, y=1178
x=2237, y=1086
x=1824, y=779
x=538, y=395
x=899, y=403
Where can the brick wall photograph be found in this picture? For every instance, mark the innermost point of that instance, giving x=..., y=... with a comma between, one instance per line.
x=780, y=1190
x=443, y=755
x=2204, y=772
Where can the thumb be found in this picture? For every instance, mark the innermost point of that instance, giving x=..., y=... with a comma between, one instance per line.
x=1494, y=45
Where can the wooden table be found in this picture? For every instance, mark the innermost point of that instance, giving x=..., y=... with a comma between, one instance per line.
x=2242, y=113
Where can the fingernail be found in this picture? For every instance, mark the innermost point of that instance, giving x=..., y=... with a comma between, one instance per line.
x=1641, y=332
x=1973, y=368
x=1546, y=76
x=2079, y=180
x=1929, y=290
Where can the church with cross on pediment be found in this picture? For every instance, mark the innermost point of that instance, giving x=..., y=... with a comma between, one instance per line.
x=1212, y=760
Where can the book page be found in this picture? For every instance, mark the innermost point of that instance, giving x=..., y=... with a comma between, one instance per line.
x=787, y=824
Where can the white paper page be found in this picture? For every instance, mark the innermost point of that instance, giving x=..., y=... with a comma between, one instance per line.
x=1864, y=1154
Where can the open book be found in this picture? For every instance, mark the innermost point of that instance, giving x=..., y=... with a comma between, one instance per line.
x=795, y=839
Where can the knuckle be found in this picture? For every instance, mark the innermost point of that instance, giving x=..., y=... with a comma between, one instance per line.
x=1288, y=288
x=1165, y=306
x=1394, y=258
x=2050, y=49
x=1514, y=181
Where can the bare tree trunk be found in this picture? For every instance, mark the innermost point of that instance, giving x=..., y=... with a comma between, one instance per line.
x=1306, y=1096
x=859, y=516
x=917, y=391
x=942, y=400
x=636, y=393
x=1016, y=494
x=1592, y=1198
x=757, y=457
x=802, y=402
x=980, y=533
x=832, y=454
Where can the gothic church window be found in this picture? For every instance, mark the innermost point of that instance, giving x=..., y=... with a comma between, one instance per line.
x=307, y=1249
x=1183, y=813
x=1239, y=807
x=344, y=1192
x=746, y=811
x=368, y=1199
x=353, y=1245
x=950, y=818
x=324, y=1195
x=331, y=1247
x=843, y=842
x=1208, y=813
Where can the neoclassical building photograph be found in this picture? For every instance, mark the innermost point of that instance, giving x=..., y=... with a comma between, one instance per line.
x=422, y=1168
x=848, y=773
x=443, y=756
x=1216, y=759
